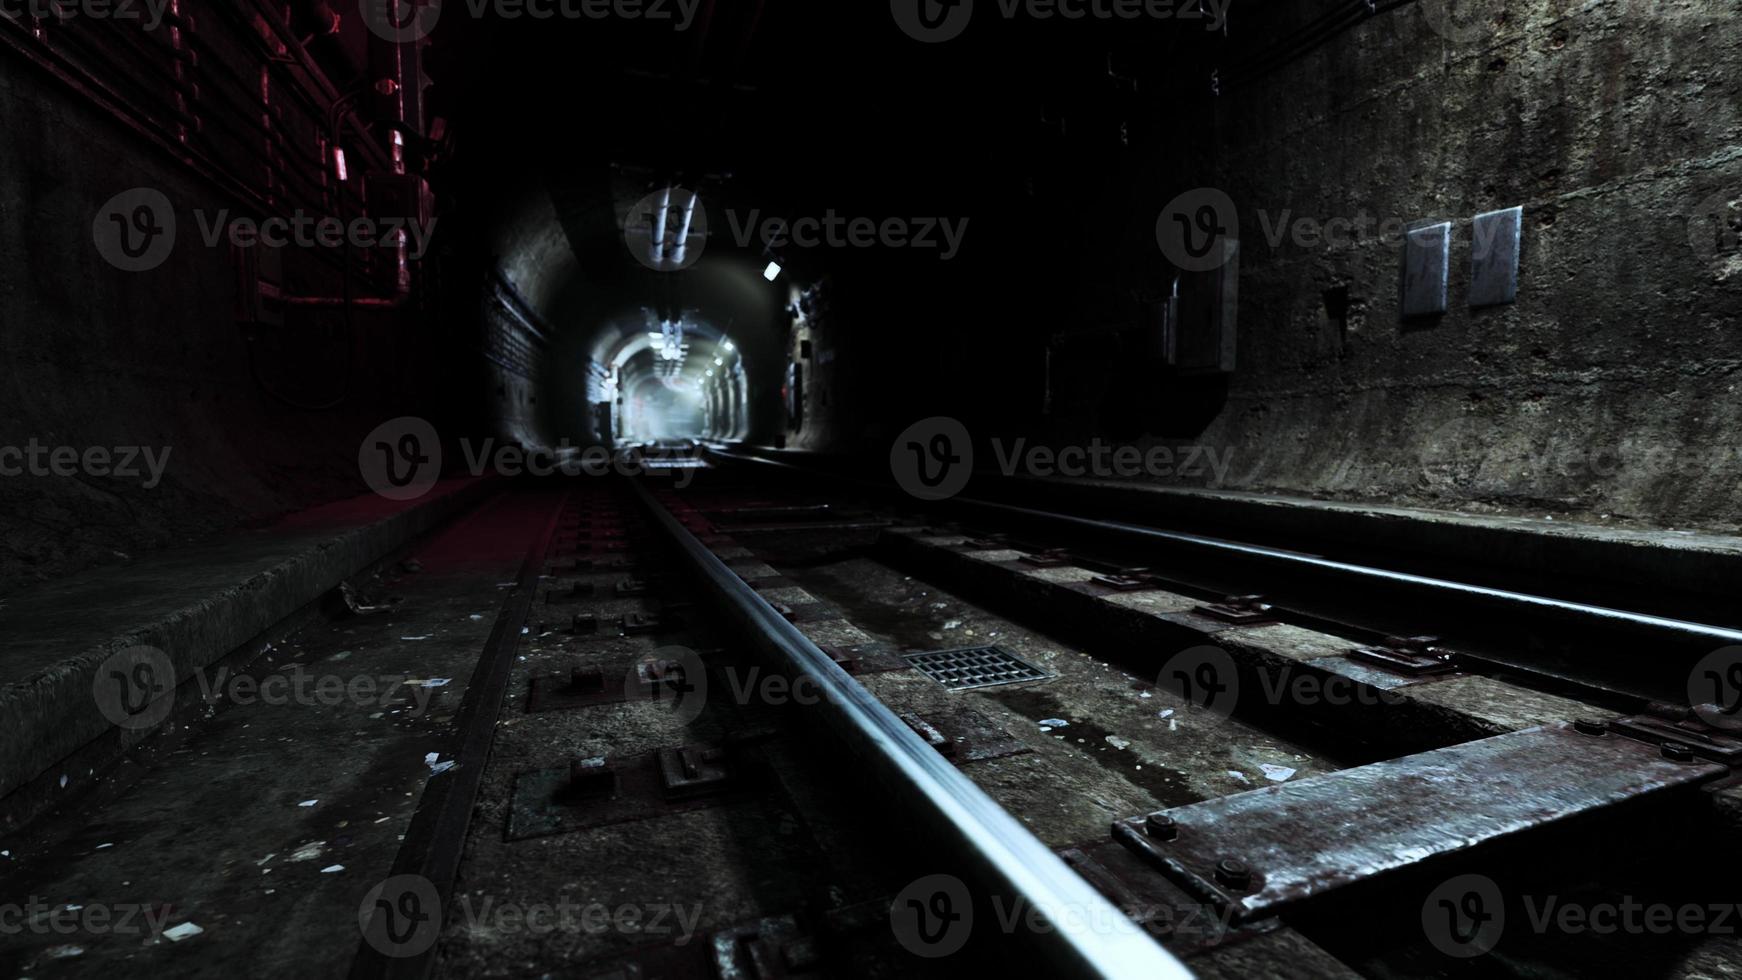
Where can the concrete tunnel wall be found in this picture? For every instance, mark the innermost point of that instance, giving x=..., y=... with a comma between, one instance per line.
x=1610, y=390
x=100, y=357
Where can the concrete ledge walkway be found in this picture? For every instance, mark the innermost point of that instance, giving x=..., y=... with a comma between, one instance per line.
x=195, y=605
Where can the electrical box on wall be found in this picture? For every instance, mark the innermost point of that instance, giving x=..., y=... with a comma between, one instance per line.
x=1198, y=322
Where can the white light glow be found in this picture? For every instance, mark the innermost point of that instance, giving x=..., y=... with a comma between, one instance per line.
x=772, y=272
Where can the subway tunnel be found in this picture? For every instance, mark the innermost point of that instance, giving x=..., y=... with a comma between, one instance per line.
x=754, y=488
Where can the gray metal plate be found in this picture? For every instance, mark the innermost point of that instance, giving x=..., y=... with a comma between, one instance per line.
x=1426, y=259
x=972, y=667
x=1494, y=241
x=1306, y=838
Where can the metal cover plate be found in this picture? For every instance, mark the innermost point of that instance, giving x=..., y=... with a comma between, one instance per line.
x=1306, y=838
x=1426, y=260
x=972, y=667
x=1494, y=257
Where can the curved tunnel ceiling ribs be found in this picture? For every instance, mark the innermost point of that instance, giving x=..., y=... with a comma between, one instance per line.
x=619, y=322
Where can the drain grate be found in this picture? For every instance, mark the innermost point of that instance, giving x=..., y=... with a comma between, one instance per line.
x=973, y=667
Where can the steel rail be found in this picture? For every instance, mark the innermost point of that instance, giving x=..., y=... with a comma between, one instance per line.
x=1688, y=629
x=1672, y=640
x=1086, y=935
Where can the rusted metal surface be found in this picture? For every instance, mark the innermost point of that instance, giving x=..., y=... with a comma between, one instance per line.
x=1257, y=853
x=1240, y=610
x=1415, y=656
x=1127, y=580
x=1185, y=925
x=1701, y=739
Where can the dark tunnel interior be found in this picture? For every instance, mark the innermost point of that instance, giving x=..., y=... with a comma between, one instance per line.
x=788, y=489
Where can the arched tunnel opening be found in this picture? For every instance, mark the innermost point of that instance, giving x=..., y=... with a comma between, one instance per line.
x=757, y=488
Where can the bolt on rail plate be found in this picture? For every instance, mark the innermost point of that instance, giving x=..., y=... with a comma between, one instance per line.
x=971, y=667
x=1182, y=923
x=598, y=792
x=1257, y=852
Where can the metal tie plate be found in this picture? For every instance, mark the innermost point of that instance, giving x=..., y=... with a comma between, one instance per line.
x=1256, y=853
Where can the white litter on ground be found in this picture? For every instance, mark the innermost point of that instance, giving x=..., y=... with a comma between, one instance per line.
x=308, y=802
x=187, y=930
x=1237, y=774
x=308, y=852
x=332, y=869
x=1276, y=774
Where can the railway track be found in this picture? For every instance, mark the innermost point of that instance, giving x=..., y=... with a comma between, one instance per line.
x=775, y=725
